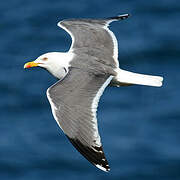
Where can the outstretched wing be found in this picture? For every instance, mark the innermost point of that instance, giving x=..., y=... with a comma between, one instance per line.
x=74, y=102
x=94, y=34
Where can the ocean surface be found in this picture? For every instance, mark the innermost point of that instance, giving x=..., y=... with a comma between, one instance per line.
x=139, y=126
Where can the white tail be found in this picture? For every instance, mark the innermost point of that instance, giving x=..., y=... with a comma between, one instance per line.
x=126, y=77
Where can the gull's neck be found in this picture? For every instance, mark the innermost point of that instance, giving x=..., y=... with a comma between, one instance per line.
x=60, y=63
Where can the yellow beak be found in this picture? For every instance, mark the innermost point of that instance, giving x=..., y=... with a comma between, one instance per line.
x=30, y=64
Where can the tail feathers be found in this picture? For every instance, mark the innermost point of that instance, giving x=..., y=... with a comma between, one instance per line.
x=124, y=77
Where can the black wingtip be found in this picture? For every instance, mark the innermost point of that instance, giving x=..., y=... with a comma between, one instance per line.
x=94, y=155
x=119, y=17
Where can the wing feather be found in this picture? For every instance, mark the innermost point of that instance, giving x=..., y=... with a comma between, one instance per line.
x=93, y=34
x=74, y=102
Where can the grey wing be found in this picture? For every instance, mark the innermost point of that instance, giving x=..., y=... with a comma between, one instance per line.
x=93, y=35
x=74, y=102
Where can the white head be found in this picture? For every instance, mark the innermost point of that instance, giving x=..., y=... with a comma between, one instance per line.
x=55, y=62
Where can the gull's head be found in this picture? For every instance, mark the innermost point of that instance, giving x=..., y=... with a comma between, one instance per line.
x=55, y=62
x=46, y=61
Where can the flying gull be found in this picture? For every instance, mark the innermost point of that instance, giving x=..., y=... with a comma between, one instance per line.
x=90, y=65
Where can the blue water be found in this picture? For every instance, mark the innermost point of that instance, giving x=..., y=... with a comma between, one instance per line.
x=139, y=126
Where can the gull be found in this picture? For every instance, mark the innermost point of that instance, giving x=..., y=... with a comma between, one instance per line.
x=83, y=73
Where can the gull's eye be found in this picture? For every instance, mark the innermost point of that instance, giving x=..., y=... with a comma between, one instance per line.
x=45, y=59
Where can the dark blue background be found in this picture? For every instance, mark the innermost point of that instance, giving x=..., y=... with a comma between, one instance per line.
x=139, y=126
